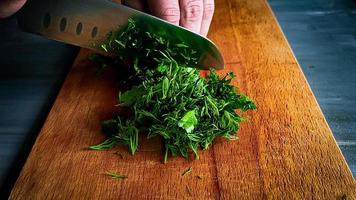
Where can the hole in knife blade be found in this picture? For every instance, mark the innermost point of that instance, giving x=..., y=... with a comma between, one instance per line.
x=63, y=24
x=79, y=28
x=94, y=32
x=46, y=20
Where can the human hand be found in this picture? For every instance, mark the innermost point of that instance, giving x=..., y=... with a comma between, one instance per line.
x=9, y=7
x=195, y=15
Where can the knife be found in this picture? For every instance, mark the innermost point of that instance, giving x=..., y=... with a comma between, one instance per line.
x=86, y=23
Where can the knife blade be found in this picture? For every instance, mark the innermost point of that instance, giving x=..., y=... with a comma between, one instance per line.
x=86, y=23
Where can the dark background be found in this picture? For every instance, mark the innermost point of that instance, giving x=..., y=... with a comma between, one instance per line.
x=322, y=34
x=32, y=70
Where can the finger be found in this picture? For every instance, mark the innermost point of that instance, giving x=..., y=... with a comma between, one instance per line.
x=208, y=13
x=136, y=4
x=9, y=7
x=167, y=10
x=191, y=14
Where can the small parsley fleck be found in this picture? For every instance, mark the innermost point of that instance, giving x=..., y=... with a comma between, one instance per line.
x=187, y=171
x=116, y=175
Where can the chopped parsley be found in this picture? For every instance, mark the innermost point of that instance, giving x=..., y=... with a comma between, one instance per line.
x=168, y=98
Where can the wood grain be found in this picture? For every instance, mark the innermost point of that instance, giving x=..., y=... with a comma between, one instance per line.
x=285, y=150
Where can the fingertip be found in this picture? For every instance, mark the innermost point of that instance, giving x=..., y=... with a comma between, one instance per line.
x=209, y=8
x=8, y=7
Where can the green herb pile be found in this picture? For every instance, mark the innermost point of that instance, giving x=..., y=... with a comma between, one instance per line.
x=167, y=98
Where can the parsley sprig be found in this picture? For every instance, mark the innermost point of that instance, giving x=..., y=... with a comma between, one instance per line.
x=168, y=99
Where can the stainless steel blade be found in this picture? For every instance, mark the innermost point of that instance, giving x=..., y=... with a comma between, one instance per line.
x=86, y=23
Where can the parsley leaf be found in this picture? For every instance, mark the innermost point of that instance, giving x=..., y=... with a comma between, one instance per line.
x=188, y=121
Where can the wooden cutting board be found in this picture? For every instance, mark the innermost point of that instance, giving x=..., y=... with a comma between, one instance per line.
x=285, y=150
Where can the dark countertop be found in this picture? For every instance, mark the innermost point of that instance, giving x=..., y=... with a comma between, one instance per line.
x=322, y=34
x=32, y=72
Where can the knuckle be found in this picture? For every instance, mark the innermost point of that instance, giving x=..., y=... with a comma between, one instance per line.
x=171, y=14
x=193, y=12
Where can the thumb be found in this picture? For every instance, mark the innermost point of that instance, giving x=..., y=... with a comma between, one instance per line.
x=9, y=7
